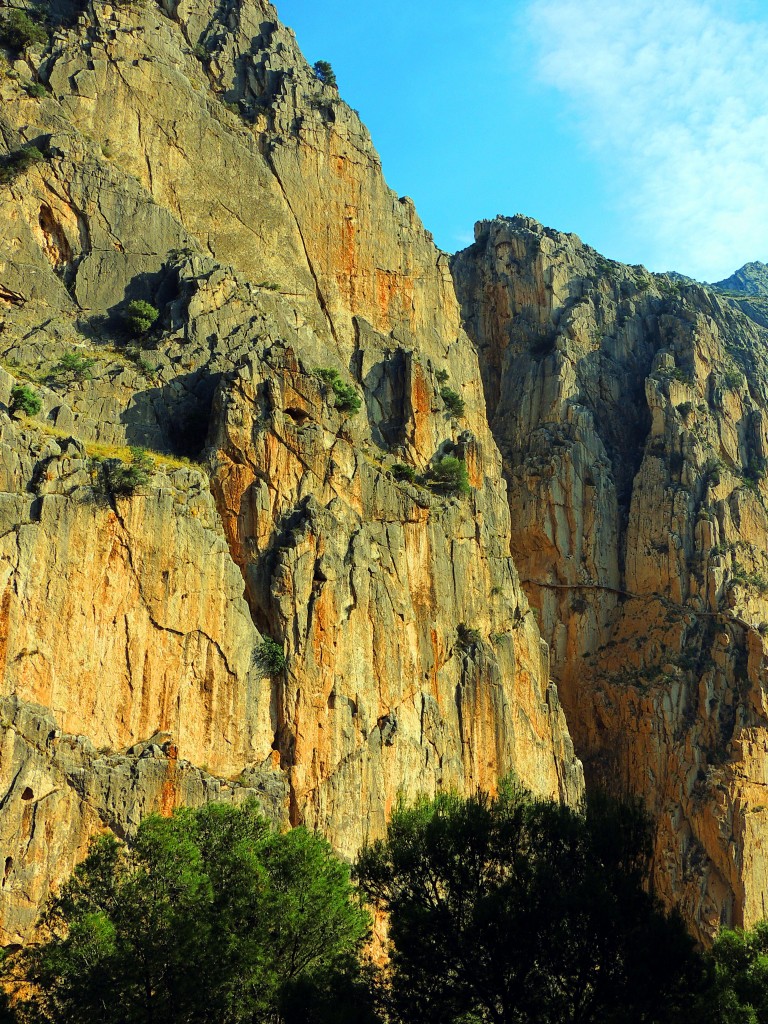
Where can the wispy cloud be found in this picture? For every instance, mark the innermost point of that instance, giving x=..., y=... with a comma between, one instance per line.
x=672, y=95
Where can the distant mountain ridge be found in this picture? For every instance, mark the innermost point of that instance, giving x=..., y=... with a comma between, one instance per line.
x=751, y=279
x=747, y=288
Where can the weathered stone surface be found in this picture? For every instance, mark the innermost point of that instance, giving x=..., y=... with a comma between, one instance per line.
x=125, y=615
x=631, y=412
x=269, y=242
x=366, y=580
x=61, y=790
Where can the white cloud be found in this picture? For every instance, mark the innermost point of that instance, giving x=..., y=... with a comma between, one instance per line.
x=672, y=95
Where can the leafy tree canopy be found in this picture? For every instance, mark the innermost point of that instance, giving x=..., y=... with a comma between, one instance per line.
x=324, y=72
x=510, y=909
x=739, y=963
x=207, y=916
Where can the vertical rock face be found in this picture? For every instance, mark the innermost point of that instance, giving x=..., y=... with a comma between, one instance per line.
x=370, y=581
x=630, y=412
x=192, y=160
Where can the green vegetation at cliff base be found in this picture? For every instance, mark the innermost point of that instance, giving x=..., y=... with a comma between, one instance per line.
x=505, y=909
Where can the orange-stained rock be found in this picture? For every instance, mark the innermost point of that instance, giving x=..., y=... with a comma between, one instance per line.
x=290, y=282
x=631, y=412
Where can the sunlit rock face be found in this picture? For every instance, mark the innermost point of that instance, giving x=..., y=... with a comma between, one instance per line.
x=630, y=411
x=193, y=161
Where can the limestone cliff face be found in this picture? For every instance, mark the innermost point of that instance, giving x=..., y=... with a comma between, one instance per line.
x=631, y=415
x=193, y=160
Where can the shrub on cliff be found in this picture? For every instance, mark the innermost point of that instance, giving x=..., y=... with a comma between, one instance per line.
x=118, y=477
x=25, y=399
x=18, y=31
x=467, y=638
x=511, y=909
x=271, y=656
x=324, y=72
x=14, y=164
x=140, y=316
x=75, y=364
x=402, y=471
x=209, y=915
x=346, y=397
x=448, y=475
x=453, y=400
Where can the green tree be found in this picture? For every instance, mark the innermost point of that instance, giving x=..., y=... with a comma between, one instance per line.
x=453, y=400
x=346, y=397
x=324, y=72
x=448, y=475
x=271, y=656
x=75, y=363
x=17, y=162
x=18, y=31
x=739, y=963
x=140, y=316
x=25, y=399
x=519, y=910
x=207, y=916
x=118, y=477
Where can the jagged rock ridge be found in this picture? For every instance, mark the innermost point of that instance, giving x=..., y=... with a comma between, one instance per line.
x=751, y=279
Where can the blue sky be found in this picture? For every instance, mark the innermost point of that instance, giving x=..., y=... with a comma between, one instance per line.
x=642, y=125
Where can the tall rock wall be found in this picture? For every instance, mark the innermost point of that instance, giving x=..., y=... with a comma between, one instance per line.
x=193, y=160
x=630, y=411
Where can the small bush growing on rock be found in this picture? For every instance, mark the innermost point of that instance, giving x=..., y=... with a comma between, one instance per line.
x=400, y=471
x=233, y=108
x=754, y=473
x=24, y=399
x=124, y=479
x=685, y=409
x=20, y=160
x=18, y=31
x=749, y=578
x=140, y=316
x=324, y=72
x=448, y=475
x=453, y=400
x=36, y=90
x=466, y=637
x=346, y=397
x=271, y=656
x=732, y=378
x=75, y=363
x=442, y=376
x=145, y=367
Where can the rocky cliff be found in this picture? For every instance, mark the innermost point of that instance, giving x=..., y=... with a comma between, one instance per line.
x=377, y=532
x=631, y=413
x=184, y=155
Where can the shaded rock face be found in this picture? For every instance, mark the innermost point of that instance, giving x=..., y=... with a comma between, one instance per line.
x=193, y=161
x=630, y=411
